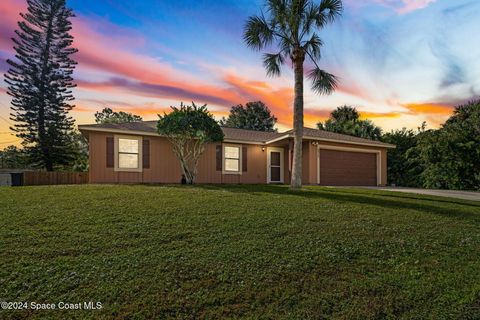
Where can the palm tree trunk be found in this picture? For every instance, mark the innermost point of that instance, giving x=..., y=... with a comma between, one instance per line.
x=296, y=181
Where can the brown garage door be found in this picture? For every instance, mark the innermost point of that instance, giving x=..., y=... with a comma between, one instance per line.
x=344, y=168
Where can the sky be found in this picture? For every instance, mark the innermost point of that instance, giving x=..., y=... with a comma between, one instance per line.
x=399, y=62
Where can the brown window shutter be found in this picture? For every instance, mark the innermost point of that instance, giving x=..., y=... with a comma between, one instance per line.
x=244, y=158
x=110, y=153
x=219, y=157
x=146, y=154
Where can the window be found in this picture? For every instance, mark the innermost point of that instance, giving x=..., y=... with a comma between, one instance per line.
x=231, y=156
x=128, y=153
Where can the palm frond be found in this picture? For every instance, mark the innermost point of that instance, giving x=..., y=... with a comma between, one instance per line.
x=310, y=17
x=257, y=33
x=285, y=47
x=322, y=81
x=278, y=11
x=272, y=63
x=280, y=18
x=297, y=10
x=330, y=10
x=313, y=46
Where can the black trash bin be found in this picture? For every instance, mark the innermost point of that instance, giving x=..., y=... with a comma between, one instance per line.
x=17, y=179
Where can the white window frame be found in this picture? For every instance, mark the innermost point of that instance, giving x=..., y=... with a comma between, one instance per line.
x=239, y=146
x=140, y=153
x=360, y=150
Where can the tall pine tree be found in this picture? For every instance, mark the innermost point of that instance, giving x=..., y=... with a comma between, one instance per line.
x=40, y=81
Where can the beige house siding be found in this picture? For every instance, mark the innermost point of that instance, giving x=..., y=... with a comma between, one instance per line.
x=165, y=168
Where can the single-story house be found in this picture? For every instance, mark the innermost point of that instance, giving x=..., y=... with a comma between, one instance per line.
x=135, y=153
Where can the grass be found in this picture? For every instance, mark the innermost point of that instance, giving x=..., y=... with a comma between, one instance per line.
x=239, y=251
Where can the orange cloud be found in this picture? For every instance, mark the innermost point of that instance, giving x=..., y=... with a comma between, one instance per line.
x=375, y=115
x=429, y=108
x=278, y=100
x=312, y=117
x=149, y=109
x=82, y=108
x=146, y=109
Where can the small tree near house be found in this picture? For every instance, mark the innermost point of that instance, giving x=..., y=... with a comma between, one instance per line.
x=189, y=129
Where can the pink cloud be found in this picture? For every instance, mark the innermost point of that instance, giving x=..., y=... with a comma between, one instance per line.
x=406, y=6
x=9, y=11
x=412, y=5
x=207, y=94
x=399, y=6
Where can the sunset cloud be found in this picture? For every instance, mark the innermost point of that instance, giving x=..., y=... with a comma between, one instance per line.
x=412, y=5
x=399, y=6
x=205, y=94
x=10, y=14
x=278, y=99
x=375, y=115
x=429, y=108
x=144, y=110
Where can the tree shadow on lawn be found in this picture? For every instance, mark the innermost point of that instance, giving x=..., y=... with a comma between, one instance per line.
x=465, y=211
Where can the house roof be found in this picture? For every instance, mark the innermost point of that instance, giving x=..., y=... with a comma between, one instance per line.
x=138, y=126
x=237, y=135
x=309, y=133
x=250, y=135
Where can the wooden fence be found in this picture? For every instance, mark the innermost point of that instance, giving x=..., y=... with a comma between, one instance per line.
x=35, y=178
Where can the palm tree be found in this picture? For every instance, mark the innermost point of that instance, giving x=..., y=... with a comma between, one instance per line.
x=345, y=113
x=291, y=26
x=347, y=120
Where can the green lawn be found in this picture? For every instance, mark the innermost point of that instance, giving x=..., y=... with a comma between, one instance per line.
x=239, y=251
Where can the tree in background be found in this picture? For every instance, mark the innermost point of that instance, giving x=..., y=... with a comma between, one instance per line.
x=107, y=115
x=345, y=114
x=403, y=166
x=346, y=120
x=450, y=155
x=253, y=116
x=39, y=82
x=80, y=161
x=13, y=157
x=291, y=26
x=189, y=129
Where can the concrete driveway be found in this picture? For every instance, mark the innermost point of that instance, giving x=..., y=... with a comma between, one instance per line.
x=466, y=195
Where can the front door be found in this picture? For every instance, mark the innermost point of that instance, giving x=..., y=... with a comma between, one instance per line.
x=275, y=165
